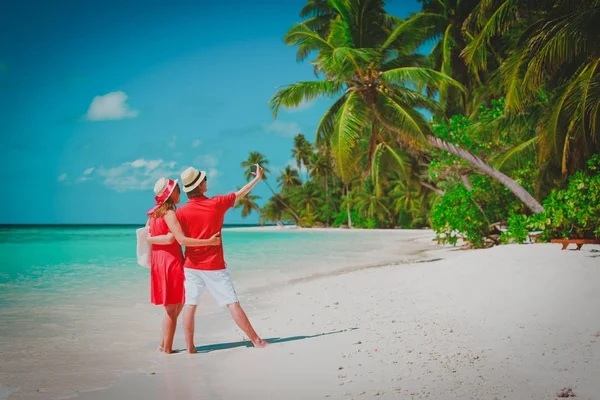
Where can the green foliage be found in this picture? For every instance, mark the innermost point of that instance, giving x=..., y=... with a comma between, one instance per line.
x=456, y=216
x=517, y=229
x=573, y=212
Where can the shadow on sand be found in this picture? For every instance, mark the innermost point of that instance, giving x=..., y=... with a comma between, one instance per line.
x=247, y=343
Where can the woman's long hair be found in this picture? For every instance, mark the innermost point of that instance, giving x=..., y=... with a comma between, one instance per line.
x=169, y=204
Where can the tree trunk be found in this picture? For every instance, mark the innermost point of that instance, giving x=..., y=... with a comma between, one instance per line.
x=467, y=182
x=348, y=208
x=487, y=169
x=478, y=163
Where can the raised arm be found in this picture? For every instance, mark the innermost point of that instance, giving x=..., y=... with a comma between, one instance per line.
x=175, y=228
x=246, y=189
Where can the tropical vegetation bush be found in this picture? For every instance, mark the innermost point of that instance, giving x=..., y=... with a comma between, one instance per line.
x=573, y=212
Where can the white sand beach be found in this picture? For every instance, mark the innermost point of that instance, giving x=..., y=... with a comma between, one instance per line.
x=515, y=322
x=518, y=322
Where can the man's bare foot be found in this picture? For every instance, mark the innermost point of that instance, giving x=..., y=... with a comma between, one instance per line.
x=259, y=344
x=192, y=350
x=160, y=348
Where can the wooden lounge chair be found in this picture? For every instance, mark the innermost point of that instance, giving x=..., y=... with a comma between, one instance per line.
x=578, y=242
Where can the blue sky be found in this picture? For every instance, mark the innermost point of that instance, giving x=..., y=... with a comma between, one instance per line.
x=98, y=99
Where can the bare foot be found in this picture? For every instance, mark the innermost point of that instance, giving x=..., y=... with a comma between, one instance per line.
x=160, y=348
x=192, y=350
x=259, y=344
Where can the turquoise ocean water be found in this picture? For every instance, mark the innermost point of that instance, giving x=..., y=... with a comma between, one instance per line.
x=55, y=263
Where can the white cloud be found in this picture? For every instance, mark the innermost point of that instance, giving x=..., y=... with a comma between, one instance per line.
x=213, y=173
x=82, y=179
x=139, y=174
x=281, y=128
x=205, y=161
x=88, y=171
x=111, y=106
x=196, y=143
x=148, y=164
x=62, y=177
x=292, y=163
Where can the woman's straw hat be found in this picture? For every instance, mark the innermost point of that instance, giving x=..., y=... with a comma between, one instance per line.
x=163, y=188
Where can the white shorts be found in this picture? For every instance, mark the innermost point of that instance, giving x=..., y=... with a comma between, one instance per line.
x=218, y=282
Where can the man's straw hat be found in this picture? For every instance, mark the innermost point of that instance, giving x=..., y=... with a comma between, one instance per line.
x=191, y=178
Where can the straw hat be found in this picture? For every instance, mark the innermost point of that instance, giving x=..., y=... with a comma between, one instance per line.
x=191, y=178
x=163, y=188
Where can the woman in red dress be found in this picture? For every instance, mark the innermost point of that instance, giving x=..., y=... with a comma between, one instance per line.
x=166, y=282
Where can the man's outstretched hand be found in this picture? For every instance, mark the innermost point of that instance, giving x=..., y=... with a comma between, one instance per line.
x=259, y=172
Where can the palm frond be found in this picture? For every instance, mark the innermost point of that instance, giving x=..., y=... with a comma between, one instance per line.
x=292, y=95
x=475, y=53
x=502, y=158
x=326, y=126
x=302, y=35
x=376, y=170
x=419, y=77
x=349, y=125
x=408, y=124
x=512, y=74
x=414, y=29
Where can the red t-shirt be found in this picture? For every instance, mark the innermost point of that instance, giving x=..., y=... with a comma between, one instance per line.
x=200, y=218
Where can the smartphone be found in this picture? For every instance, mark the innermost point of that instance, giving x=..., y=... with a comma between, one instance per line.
x=253, y=169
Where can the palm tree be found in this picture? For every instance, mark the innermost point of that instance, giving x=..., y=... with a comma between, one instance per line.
x=258, y=158
x=248, y=204
x=377, y=99
x=289, y=178
x=370, y=204
x=273, y=211
x=320, y=168
x=302, y=151
x=307, y=197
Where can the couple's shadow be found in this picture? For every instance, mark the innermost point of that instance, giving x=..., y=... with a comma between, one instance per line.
x=247, y=343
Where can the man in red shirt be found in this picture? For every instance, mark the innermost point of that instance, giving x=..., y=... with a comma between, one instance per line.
x=204, y=266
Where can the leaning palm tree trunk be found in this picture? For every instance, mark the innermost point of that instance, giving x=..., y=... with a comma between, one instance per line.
x=296, y=217
x=487, y=169
x=479, y=164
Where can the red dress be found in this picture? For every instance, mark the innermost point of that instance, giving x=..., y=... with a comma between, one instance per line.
x=166, y=282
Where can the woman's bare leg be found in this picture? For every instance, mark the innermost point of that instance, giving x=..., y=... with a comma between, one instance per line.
x=162, y=336
x=169, y=325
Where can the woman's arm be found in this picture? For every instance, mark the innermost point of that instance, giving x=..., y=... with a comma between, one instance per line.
x=175, y=228
x=161, y=239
